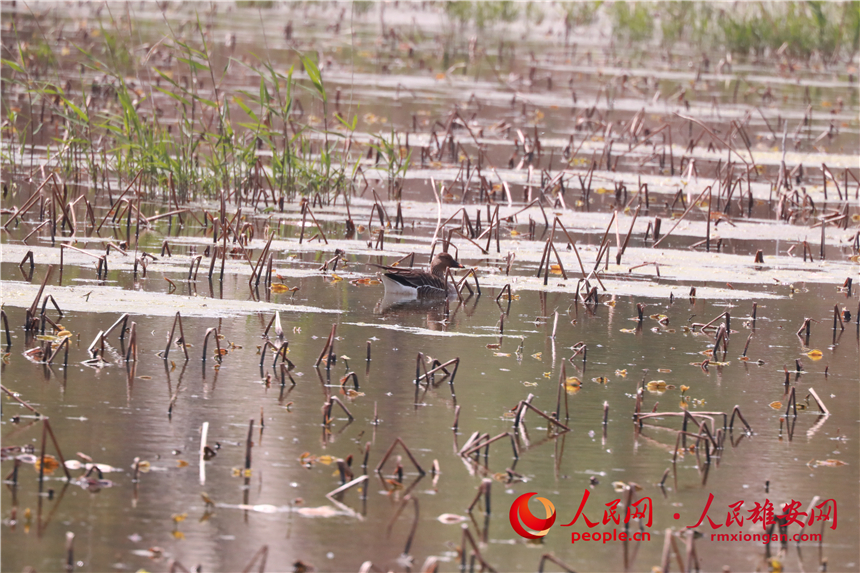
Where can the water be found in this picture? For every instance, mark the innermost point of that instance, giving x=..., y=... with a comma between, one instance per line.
x=114, y=418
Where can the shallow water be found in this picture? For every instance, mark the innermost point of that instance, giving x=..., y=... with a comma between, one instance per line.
x=115, y=417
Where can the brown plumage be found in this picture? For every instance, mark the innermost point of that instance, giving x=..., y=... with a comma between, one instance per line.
x=420, y=283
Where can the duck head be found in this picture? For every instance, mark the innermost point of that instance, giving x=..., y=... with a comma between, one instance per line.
x=442, y=262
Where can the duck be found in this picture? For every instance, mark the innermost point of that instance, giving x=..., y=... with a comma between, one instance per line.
x=415, y=283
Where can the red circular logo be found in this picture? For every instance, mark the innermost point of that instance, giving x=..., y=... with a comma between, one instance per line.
x=520, y=512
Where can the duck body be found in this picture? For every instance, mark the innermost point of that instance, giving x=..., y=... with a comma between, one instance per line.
x=414, y=283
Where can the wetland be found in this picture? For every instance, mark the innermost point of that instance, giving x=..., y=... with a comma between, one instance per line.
x=658, y=211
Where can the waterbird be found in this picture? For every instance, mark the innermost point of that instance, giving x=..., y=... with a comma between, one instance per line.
x=415, y=283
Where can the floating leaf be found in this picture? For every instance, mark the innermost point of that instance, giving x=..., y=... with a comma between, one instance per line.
x=50, y=337
x=830, y=463
x=815, y=354
x=628, y=330
x=657, y=386
x=51, y=464
x=178, y=517
x=600, y=379
x=622, y=373
x=501, y=353
x=450, y=518
x=279, y=288
x=181, y=464
x=493, y=346
x=537, y=355
x=776, y=405
x=572, y=385
x=335, y=278
x=664, y=370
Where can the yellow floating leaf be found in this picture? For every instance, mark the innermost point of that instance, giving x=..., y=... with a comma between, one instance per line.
x=335, y=278
x=181, y=464
x=537, y=355
x=501, y=353
x=775, y=405
x=572, y=385
x=815, y=354
x=664, y=370
x=600, y=379
x=51, y=464
x=515, y=233
x=628, y=330
x=622, y=373
x=658, y=386
x=178, y=517
x=278, y=288
x=555, y=269
x=327, y=460
x=50, y=337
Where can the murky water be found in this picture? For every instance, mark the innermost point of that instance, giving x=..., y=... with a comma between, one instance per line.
x=115, y=417
x=215, y=514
